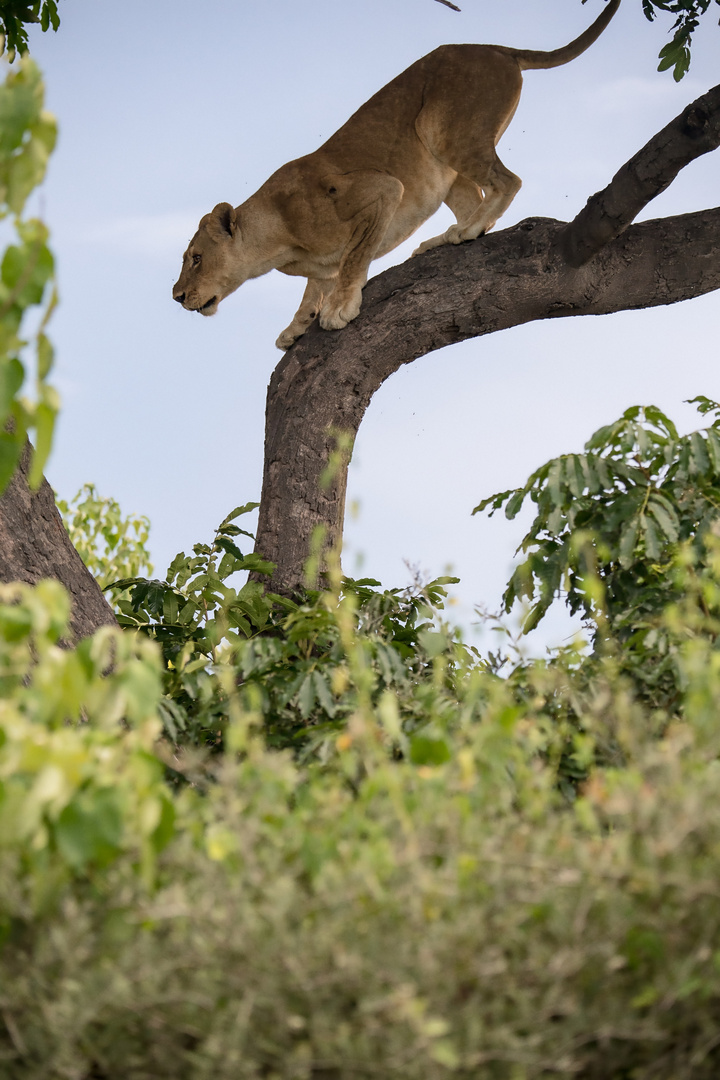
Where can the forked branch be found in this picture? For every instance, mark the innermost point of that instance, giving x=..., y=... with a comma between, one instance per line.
x=694, y=132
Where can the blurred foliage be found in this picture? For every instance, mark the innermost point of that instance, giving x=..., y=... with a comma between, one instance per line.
x=367, y=911
x=27, y=138
x=111, y=545
x=75, y=791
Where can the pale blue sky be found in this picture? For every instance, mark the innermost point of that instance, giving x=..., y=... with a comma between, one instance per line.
x=168, y=107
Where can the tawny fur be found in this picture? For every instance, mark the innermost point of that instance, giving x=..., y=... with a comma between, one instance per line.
x=426, y=138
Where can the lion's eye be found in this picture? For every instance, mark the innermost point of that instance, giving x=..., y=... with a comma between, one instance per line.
x=196, y=260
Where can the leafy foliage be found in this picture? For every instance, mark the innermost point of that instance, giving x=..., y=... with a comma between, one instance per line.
x=676, y=54
x=75, y=793
x=377, y=914
x=27, y=137
x=15, y=14
x=111, y=545
x=289, y=661
x=617, y=530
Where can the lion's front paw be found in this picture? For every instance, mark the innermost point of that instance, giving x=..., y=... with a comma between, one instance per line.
x=336, y=316
x=455, y=235
x=287, y=338
x=428, y=245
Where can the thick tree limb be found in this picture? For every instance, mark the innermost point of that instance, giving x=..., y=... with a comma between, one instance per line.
x=694, y=132
x=35, y=545
x=327, y=379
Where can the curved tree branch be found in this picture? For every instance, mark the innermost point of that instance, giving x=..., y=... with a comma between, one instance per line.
x=694, y=132
x=539, y=269
x=326, y=381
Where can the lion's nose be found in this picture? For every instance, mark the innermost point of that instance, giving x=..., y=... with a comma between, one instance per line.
x=180, y=297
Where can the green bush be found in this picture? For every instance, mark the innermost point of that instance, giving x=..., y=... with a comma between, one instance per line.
x=367, y=916
x=400, y=858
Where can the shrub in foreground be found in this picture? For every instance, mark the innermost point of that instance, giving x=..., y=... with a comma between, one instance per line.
x=364, y=914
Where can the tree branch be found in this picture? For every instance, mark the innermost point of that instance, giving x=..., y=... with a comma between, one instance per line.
x=694, y=132
x=515, y=276
x=34, y=544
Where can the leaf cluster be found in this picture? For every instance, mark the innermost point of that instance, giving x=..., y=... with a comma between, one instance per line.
x=74, y=796
x=14, y=17
x=111, y=545
x=612, y=529
x=299, y=664
x=676, y=54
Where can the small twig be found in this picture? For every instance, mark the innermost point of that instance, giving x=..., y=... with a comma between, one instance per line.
x=448, y=4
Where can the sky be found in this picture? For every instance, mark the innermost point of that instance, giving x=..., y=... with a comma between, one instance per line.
x=169, y=107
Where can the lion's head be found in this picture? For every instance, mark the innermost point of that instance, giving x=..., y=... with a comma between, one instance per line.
x=210, y=271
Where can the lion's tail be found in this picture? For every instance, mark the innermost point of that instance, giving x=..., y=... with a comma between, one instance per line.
x=528, y=59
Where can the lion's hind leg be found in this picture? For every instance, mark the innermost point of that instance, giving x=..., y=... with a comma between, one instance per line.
x=469, y=103
x=500, y=186
x=464, y=199
x=477, y=206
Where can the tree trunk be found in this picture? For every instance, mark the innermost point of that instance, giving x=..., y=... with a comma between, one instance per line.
x=34, y=545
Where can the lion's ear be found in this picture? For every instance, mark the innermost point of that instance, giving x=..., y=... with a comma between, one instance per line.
x=223, y=219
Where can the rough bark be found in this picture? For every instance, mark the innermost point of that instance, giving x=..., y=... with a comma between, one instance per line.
x=325, y=382
x=694, y=132
x=34, y=545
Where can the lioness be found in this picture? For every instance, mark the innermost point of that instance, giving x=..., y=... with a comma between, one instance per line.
x=427, y=137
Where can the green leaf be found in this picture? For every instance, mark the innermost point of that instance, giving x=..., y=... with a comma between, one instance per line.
x=44, y=427
x=233, y=530
x=227, y=545
x=574, y=475
x=12, y=376
x=514, y=504
x=10, y=450
x=245, y=509
x=554, y=482
x=256, y=564
x=433, y=642
x=665, y=517
x=89, y=829
x=165, y=829
x=45, y=356
x=713, y=448
x=653, y=544
x=170, y=606
x=698, y=454
x=425, y=750
x=493, y=501
x=306, y=696
x=323, y=693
